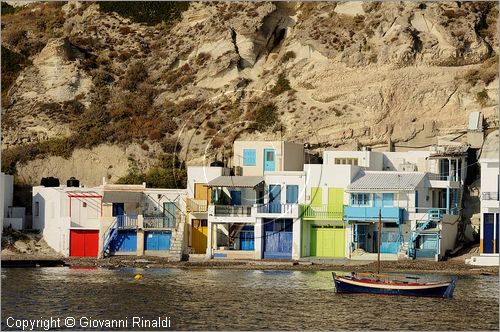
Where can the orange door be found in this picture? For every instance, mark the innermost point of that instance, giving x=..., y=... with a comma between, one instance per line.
x=202, y=192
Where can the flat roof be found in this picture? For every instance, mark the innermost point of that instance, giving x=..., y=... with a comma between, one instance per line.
x=236, y=181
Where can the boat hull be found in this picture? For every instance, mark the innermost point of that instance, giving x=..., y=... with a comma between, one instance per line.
x=353, y=285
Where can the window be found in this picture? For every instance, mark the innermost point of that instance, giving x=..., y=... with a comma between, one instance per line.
x=360, y=199
x=292, y=194
x=270, y=155
x=249, y=157
x=84, y=204
x=37, y=209
x=346, y=161
x=388, y=199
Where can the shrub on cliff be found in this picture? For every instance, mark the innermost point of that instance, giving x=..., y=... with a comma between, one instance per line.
x=148, y=12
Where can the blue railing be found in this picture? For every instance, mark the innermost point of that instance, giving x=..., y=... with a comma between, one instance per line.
x=109, y=236
x=362, y=213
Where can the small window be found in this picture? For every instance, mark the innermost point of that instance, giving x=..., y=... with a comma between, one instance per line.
x=360, y=199
x=84, y=204
x=270, y=156
x=346, y=161
x=37, y=209
x=249, y=157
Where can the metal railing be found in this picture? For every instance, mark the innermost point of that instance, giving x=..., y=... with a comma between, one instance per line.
x=159, y=221
x=233, y=210
x=275, y=208
x=127, y=221
x=196, y=205
x=489, y=196
x=322, y=212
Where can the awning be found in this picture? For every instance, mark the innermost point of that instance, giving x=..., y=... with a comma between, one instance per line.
x=122, y=197
x=236, y=181
x=385, y=181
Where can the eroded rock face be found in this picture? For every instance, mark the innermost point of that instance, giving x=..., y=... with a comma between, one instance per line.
x=360, y=73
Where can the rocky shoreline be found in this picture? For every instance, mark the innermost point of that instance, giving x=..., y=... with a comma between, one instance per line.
x=455, y=267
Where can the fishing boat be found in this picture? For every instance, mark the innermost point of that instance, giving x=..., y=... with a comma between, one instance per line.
x=376, y=283
x=392, y=285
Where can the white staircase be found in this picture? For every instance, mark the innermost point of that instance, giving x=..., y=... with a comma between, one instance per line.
x=176, y=249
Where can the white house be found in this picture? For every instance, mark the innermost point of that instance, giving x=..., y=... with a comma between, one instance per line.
x=489, y=229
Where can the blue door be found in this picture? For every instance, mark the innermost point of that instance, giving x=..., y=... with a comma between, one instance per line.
x=496, y=232
x=278, y=238
x=274, y=198
x=125, y=241
x=377, y=200
x=118, y=209
x=235, y=197
x=488, y=231
x=157, y=240
x=247, y=238
x=269, y=160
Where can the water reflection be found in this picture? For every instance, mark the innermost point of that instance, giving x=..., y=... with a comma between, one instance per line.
x=234, y=299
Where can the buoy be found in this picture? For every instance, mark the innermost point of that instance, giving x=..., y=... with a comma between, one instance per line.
x=138, y=276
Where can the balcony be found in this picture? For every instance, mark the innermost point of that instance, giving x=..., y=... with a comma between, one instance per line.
x=443, y=180
x=290, y=210
x=159, y=222
x=362, y=213
x=126, y=221
x=322, y=212
x=230, y=214
x=196, y=205
x=489, y=196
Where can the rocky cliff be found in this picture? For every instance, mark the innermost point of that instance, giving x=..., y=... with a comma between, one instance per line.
x=92, y=89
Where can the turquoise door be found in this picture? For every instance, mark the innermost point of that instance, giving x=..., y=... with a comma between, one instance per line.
x=157, y=240
x=169, y=214
x=377, y=200
x=269, y=160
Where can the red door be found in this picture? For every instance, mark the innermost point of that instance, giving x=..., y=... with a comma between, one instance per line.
x=84, y=243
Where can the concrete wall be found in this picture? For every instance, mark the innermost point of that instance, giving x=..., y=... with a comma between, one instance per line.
x=293, y=157
x=49, y=219
x=202, y=174
x=284, y=179
x=6, y=193
x=449, y=230
x=326, y=176
x=392, y=160
x=289, y=156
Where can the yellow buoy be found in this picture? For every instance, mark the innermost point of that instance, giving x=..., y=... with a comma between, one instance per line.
x=138, y=276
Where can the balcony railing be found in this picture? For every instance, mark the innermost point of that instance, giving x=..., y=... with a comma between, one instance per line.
x=442, y=177
x=322, y=212
x=159, y=222
x=127, y=221
x=489, y=196
x=275, y=208
x=362, y=213
x=196, y=205
x=233, y=210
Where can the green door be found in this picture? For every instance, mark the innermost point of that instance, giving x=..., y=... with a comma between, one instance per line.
x=327, y=241
x=316, y=196
x=335, y=199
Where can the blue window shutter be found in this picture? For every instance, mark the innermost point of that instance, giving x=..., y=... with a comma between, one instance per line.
x=388, y=199
x=292, y=194
x=249, y=157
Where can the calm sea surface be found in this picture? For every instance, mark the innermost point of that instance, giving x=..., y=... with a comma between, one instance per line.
x=235, y=300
